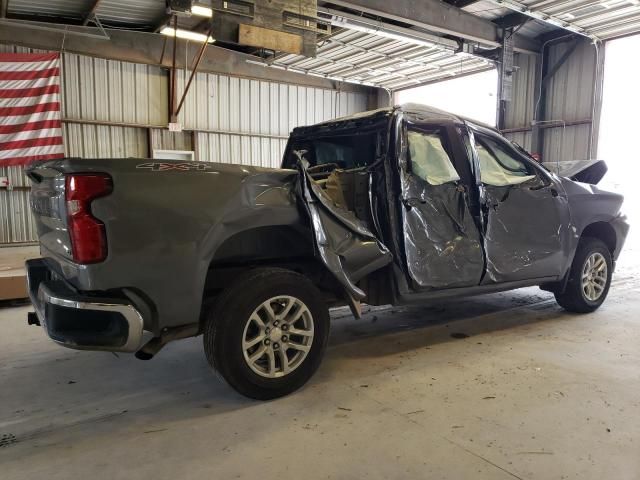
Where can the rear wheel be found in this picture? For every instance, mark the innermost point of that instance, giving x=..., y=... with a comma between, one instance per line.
x=589, y=279
x=267, y=333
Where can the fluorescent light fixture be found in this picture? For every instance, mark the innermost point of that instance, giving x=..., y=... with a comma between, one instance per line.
x=381, y=29
x=187, y=35
x=201, y=11
x=342, y=22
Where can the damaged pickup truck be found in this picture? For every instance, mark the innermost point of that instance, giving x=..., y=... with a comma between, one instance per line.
x=396, y=206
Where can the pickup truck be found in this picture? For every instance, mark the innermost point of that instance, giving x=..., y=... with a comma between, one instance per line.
x=390, y=207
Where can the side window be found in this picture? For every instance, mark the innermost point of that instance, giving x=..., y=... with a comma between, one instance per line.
x=429, y=159
x=499, y=166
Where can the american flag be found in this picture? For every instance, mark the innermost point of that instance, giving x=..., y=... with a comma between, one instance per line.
x=30, y=126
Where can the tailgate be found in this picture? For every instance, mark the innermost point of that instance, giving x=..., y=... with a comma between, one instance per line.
x=49, y=209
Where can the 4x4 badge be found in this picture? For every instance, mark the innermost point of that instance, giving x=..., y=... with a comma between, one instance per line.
x=183, y=167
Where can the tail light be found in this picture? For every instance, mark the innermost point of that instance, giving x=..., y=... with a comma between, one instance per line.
x=87, y=233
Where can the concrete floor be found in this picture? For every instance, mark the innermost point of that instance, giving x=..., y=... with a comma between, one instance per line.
x=529, y=391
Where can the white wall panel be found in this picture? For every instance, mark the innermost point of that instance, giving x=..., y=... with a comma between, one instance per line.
x=240, y=105
x=113, y=91
x=94, y=141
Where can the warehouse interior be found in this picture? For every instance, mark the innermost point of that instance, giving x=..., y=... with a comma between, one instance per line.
x=504, y=385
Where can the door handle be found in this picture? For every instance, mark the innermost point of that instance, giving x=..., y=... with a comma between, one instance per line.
x=410, y=203
x=552, y=190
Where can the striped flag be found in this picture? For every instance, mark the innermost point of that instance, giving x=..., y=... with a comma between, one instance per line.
x=30, y=126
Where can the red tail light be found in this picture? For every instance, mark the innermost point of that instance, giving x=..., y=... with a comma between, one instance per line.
x=87, y=233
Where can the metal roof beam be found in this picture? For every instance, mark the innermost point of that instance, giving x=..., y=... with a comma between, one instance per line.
x=514, y=19
x=565, y=56
x=146, y=48
x=550, y=19
x=460, y=3
x=91, y=13
x=164, y=20
x=436, y=16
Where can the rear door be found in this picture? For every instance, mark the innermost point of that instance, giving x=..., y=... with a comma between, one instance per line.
x=442, y=240
x=348, y=245
x=343, y=242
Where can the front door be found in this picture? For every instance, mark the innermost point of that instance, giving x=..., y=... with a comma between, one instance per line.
x=525, y=213
x=442, y=242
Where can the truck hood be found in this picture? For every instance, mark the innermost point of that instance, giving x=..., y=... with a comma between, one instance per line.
x=585, y=171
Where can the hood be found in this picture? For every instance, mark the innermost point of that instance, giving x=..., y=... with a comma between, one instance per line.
x=584, y=171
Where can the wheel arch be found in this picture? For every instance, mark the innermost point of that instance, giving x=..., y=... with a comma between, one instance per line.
x=285, y=246
x=602, y=231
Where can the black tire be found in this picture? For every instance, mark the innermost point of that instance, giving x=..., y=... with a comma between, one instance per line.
x=224, y=331
x=574, y=299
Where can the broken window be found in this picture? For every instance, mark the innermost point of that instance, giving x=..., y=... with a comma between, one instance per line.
x=346, y=151
x=429, y=159
x=498, y=166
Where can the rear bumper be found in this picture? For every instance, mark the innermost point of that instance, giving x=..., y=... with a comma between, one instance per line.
x=81, y=321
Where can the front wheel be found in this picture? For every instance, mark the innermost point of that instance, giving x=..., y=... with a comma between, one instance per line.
x=267, y=333
x=589, y=278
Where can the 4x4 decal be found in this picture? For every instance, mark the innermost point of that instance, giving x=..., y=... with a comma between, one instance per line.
x=183, y=167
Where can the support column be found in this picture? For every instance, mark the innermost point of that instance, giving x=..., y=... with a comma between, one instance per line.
x=505, y=77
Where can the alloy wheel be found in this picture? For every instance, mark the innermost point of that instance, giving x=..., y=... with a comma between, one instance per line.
x=594, y=276
x=278, y=336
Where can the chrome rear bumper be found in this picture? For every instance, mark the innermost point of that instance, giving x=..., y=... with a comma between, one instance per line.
x=81, y=321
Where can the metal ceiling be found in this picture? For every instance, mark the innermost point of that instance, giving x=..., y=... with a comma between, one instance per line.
x=369, y=59
x=601, y=19
x=597, y=19
x=134, y=13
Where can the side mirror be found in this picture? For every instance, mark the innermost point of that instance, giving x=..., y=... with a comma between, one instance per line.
x=538, y=183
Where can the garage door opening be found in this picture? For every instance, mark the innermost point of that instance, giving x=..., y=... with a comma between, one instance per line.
x=618, y=135
x=473, y=96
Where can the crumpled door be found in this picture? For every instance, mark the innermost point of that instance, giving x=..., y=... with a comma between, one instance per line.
x=526, y=216
x=442, y=241
x=343, y=243
x=525, y=232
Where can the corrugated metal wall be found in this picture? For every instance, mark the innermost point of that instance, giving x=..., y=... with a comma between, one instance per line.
x=228, y=119
x=570, y=98
x=246, y=121
x=520, y=111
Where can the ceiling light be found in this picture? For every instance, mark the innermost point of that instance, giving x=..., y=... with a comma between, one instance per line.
x=201, y=11
x=381, y=29
x=187, y=35
x=342, y=22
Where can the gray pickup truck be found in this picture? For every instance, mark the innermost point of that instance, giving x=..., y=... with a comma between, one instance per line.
x=395, y=206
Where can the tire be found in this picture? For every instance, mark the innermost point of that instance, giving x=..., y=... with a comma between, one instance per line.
x=233, y=324
x=577, y=297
